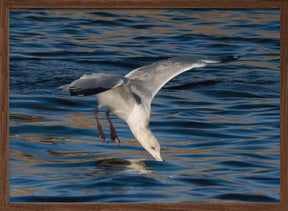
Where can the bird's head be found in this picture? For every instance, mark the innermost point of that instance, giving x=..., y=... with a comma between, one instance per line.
x=145, y=137
x=152, y=145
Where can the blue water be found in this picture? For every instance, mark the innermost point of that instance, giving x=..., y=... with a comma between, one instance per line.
x=218, y=126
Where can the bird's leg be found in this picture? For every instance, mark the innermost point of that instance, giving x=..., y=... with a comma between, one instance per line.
x=100, y=130
x=113, y=134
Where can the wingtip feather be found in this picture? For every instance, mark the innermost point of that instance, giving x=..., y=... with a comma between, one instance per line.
x=230, y=58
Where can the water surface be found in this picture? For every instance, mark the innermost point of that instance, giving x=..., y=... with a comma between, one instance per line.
x=218, y=126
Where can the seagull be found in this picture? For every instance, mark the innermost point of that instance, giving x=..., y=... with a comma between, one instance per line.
x=129, y=97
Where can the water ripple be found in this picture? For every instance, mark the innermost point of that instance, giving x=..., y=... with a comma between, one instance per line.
x=218, y=126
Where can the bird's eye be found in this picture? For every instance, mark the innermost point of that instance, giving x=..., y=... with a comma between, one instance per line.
x=153, y=148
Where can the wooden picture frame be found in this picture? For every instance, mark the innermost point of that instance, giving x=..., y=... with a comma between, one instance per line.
x=6, y=5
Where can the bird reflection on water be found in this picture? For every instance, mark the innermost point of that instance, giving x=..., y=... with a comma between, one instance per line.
x=115, y=165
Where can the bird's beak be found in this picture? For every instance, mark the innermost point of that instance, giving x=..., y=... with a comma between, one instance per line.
x=153, y=148
x=157, y=156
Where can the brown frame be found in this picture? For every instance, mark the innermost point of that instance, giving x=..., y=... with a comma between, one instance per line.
x=5, y=5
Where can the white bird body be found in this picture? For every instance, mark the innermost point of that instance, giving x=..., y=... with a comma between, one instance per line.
x=125, y=102
x=130, y=97
x=137, y=118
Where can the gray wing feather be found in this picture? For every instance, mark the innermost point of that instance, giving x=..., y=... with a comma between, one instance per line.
x=148, y=80
x=96, y=83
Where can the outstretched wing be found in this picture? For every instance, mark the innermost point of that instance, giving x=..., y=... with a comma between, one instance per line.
x=148, y=80
x=95, y=84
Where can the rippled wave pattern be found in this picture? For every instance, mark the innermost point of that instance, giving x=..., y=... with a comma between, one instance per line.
x=218, y=126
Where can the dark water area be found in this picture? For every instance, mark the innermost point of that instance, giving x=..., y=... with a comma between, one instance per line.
x=218, y=126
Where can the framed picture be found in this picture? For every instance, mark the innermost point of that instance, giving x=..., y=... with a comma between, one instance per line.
x=143, y=105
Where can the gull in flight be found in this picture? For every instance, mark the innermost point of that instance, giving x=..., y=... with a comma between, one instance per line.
x=129, y=97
